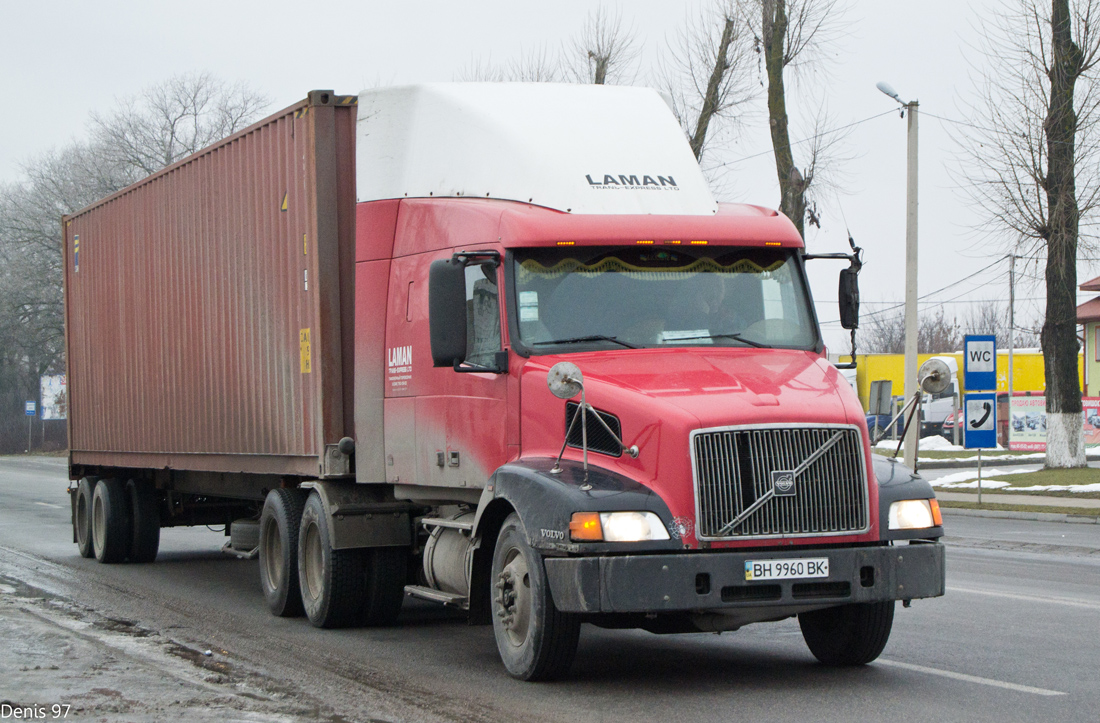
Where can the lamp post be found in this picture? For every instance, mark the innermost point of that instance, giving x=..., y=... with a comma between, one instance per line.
x=912, y=435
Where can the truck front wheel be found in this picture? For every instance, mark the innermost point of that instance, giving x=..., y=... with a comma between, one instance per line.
x=847, y=635
x=536, y=641
x=279, y=525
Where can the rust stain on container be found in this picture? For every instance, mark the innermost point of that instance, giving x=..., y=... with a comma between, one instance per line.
x=185, y=319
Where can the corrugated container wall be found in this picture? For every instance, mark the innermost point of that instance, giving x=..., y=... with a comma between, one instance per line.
x=210, y=307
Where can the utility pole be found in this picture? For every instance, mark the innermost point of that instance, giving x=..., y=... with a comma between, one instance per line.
x=912, y=388
x=912, y=437
x=1011, y=320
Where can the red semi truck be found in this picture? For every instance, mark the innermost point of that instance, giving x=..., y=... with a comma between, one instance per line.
x=491, y=345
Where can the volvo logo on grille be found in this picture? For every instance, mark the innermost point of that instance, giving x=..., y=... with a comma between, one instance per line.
x=783, y=483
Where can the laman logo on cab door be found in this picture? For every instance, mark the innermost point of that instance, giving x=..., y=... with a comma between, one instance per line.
x=633, y=182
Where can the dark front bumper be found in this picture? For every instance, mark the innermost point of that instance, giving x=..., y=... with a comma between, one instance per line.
x=716, y=580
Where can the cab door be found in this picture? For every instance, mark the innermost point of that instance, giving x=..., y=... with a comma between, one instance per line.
x=450, y=426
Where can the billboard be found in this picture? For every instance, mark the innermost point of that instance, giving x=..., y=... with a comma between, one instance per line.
x=55, y=400
x=1027, y=423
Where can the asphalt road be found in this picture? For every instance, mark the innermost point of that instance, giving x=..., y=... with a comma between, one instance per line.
x=1014, y=639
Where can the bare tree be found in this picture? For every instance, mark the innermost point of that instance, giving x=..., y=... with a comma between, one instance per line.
x=604, y=52
x=789, y=33
x=173, y=119
x=539, y=65
x=140, y=136
x=1032, y=149
x=708, y=76
x=884, y=332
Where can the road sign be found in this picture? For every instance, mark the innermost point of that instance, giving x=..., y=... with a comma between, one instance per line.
x=980, y=418
x=980, y=362
x=30, y=409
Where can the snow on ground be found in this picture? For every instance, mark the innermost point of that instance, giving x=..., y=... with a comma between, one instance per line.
x=939, y=444
x=968, y=479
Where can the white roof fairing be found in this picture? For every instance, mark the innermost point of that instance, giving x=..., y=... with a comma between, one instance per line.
x=589, y=149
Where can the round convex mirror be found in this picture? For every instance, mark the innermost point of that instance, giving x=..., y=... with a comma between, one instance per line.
x=934, y=376
x=564, y=380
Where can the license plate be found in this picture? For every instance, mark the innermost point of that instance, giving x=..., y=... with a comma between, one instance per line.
x=786, y=569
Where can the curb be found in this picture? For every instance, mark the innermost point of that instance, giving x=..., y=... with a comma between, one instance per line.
x=1012, y=515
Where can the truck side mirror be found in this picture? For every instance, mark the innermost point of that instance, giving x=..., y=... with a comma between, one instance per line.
x=849, y=298
x=447, y=311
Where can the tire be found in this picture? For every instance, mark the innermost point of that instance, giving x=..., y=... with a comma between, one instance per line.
x=111, y=528
x=279, y=524
x=333, y=582
x=877, y=433
x=536, y=641
x=82, y=517
x=387, y=572
x=848, y=635
x=244, y=535
x=145, y=517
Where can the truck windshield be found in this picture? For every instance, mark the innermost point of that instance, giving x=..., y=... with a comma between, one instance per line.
x=659, y=297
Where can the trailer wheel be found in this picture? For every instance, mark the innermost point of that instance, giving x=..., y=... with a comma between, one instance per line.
x=333, y=582
x=82, y=517
x=110, y=521
x=536, y=641
x=387, y=572
x=848, y=635
x=279, y=524
x=145, y=510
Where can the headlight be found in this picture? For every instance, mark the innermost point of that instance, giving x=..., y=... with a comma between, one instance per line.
x=915, y=515
x=616, y=527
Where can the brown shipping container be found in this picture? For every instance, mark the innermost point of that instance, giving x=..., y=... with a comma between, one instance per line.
x=210, y=306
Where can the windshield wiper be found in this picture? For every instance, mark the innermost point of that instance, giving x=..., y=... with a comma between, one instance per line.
x=591, y=337
x=735, y=336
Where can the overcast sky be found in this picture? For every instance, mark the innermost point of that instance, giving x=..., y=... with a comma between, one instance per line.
x=63, y=60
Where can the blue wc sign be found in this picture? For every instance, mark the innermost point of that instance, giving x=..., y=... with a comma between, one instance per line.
x=980, y=362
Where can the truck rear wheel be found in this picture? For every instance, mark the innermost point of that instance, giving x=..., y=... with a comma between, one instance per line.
x=387, y=571
x=279, y=525
x=536, y=641
x=145, y=519
x=333, y=582
x=82, y=517
x=110, y=521
x=847, y=635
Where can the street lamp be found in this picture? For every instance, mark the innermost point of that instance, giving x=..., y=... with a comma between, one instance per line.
x=912, y=435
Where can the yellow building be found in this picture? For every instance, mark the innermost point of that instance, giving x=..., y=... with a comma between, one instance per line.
x=1027, y=370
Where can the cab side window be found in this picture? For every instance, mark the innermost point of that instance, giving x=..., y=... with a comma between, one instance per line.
x=482, y=314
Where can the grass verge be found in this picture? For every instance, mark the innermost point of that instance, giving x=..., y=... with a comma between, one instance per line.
x=1074, y=511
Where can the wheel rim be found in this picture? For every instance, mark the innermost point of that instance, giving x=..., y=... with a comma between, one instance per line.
x=99, y=531
x=82, y=520
x=273, y=555
x=314, y=561
x=514, y=596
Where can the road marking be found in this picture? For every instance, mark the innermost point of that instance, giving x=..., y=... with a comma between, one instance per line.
x=970, y=678
x=48, y=504
x=1028, y=598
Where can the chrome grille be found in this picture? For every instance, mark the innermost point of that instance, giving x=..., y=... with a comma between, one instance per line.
x=733, y=470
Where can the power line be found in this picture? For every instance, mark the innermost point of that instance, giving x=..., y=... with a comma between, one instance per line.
x=804, y=140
